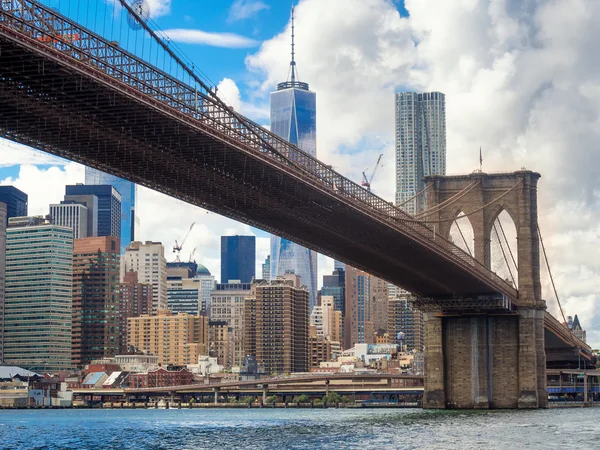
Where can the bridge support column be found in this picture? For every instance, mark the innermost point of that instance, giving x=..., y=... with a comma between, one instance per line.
x=485, y=361
x=264, y=394
x=434, y=395
x=216, y=391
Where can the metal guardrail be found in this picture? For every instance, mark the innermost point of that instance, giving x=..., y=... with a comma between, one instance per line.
x=54, y=33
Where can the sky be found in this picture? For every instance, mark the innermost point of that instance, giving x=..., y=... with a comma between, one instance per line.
x=520, y=79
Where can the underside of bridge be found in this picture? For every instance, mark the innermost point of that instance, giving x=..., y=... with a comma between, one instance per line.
x=77, y=105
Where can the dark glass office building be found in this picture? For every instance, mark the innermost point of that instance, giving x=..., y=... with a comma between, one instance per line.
x=127, y=189
x=109, y=206
x=238, y=258
x=16, y=201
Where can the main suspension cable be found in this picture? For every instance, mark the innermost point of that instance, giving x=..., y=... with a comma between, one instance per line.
x=562, y=313
x=449, y=201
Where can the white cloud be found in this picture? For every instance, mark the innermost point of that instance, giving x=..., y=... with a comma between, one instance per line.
x=12, y=154
x=228, y=91
x=244, y=9
x=227, y=40
x=159, y=8
x=518, y=79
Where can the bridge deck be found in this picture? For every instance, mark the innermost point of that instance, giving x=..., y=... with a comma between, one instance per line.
x=91, y=102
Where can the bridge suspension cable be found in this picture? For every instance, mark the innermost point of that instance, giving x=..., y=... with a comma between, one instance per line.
x=504, y=255
x=562, y=313
x=508, y=246
x=416, y=195
x=425, y=221
x=462, y=235
x=449, y=201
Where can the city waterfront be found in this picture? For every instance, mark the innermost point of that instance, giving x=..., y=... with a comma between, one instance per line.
x=269, y=428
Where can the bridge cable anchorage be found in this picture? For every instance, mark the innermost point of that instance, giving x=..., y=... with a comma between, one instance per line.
x=504, y=255
x=426, y=221
x=562, y=313
x=449, y=201
x=416, y=195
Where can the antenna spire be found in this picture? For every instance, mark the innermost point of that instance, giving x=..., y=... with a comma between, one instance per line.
x=293, y=62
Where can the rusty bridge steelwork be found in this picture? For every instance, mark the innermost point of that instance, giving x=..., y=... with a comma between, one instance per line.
x=69, y=92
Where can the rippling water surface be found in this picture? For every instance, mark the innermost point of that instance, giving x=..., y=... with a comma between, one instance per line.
x=298, y=429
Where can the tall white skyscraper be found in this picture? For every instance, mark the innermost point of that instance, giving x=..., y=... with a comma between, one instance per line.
x=420, y=144
x=72, y=215
x=294, y=118
x=148, y=260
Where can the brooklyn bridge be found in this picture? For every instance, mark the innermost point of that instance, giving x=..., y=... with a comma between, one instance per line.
x=147, y=116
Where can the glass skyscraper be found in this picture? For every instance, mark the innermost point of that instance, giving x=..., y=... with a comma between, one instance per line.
x=294, y=118
x=238, y=258
x=420, y=145
x=127, y=189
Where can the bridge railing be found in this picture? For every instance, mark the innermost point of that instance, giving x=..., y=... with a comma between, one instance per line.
x=199, y=105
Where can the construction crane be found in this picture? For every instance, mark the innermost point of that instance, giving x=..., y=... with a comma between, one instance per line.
x=179, y=243
x=366, y=182
x=192, y=254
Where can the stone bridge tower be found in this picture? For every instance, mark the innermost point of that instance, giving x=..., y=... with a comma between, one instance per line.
x=483, y=359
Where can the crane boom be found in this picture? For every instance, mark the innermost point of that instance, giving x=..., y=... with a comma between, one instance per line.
x=178, y=246
x=366, y=181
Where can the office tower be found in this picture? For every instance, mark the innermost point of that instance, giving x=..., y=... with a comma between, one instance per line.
x=227, y=305
x=334, y=285
x=15, y=201
x=127, y=189
x=2, y=274
x=148, y=260
x=96, y=331
x=91, y=204
x=405, y=323
x=294, y=118
x=135, y=299
x=238, y=258
x=183, y=295
x=71, y=215
x=38, y=305
x=176, y=339
x=364, y=293
x=276, y=324
x=109, y=206
x=266, y=269
x=420, y=145
x=182, y=269
x=379, y=305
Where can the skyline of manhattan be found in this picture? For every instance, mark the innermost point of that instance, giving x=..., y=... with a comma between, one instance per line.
x=575, y=269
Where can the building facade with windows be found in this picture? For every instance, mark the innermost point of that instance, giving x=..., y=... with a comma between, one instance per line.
x=175, y=338
x=135, y=299
x=227, y=305
x=3, y=220
x=72, y=215
x=276, y=327
x=96, y=327
x=39, y=295
x=15, y=201
x=420, y=145
x=109, y=206
x=238, y=258
x=128, y=192
x=148, y=260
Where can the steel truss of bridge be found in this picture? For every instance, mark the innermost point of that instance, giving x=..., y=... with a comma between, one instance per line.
x=72, y=93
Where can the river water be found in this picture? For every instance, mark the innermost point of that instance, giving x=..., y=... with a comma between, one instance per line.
x=299, y=429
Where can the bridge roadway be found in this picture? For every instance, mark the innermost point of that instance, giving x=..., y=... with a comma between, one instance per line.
x=85, y=99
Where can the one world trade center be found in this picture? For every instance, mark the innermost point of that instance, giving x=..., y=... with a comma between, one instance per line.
x=294, y=118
